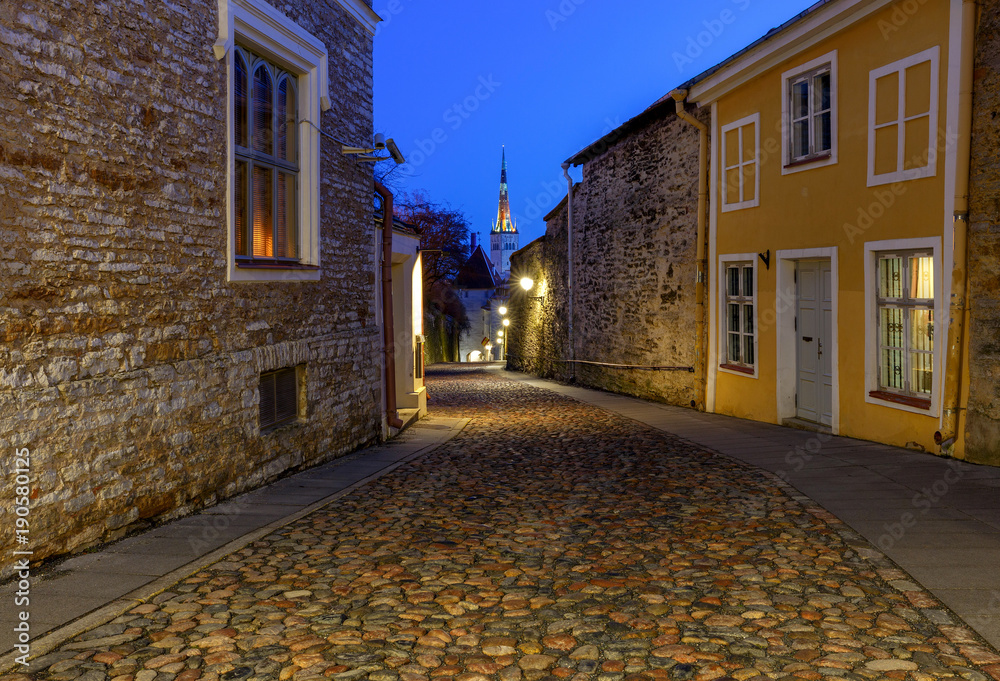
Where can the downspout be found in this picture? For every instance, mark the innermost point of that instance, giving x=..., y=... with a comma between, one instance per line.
x=391, y=415
x=569, y=271
x=952, y=404
x=701, y=361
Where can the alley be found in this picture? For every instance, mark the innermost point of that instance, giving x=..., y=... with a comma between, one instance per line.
x=550, y=539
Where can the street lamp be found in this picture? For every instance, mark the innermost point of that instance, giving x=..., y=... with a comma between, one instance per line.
x=506, y=322
x=502, y=310
x=527, y=283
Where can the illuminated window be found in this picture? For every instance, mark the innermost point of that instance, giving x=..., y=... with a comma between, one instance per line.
x=903, y=119
x=905, y=324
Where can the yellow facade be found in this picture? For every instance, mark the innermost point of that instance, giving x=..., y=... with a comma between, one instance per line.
x=889, y=75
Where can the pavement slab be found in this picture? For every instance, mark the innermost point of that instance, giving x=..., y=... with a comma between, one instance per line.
x=550, y=539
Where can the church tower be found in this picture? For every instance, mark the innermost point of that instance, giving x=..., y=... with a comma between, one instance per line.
x=504, y=237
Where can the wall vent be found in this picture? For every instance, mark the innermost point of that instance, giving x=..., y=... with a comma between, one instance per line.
x=279, y=398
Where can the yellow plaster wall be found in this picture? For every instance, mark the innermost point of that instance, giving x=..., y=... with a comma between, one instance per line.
x=812, y=209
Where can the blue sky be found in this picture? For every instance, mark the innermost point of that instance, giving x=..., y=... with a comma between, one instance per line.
x=456, y=80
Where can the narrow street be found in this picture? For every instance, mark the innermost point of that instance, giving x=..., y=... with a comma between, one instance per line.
x=549, y=540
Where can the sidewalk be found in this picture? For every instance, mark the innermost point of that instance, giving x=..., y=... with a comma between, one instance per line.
x=937, y=518
x=90, y=589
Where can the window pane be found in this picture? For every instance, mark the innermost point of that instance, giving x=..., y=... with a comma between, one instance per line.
x=734, y=348
x=748, y=281
x=291, y=122
x=800, y=139
x=748, y=353
x=800, y=99
x=891, y=327
x=922, y=330
x=240, y=182
x=240, y=92
x=822, y=92
x=890, y=278
x=734, y=317
x=263, y=99
x=733, y=277
x=281, y=117
x=922, y=277
x=263, y=202
x=891, y=370
x=823, y=132
x=748, y=319
x=287, y=238
x=921, y=373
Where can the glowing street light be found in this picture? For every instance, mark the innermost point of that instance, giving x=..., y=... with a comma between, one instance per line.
x=527, y=283
x=502, y=310
x=506, y=322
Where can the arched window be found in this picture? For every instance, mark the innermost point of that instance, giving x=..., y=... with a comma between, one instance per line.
x=266, y=186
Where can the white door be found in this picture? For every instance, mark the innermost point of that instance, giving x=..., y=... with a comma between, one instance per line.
x=814, y=324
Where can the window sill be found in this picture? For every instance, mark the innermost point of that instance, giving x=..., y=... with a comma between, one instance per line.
x=273, y=265
x=826, y=156
x=916, y=402
x=739, y=369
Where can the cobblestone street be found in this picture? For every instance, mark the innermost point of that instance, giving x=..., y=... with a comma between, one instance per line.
x=549, y=540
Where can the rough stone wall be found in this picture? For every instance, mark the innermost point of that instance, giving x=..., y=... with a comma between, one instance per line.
x=635, y=221
x=129, y=365
x=983, y=416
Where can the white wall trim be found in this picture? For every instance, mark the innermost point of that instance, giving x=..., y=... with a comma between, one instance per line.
x=871, y=321
x=933, y=55
x=786, y=309
x=265, y=30
x=739, y=126
x=797, y=38
x=723, y=336
x=786, y=127
x=713, y=231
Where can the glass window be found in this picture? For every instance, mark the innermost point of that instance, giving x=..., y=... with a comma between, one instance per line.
x=905, y=302
x=741, y=324
x=740, y=162
x=810, y=114
x=266, y=185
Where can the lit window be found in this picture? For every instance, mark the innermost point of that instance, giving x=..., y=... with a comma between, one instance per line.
x=809, y=114
x=278, y=87
x=740, y=163
x=905, y=325
x=903, y=119
x=740, y=319
x=267, y=171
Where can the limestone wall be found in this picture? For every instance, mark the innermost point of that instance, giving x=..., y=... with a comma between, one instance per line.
x=129, y=365
x=983, y=418
x=634, y=274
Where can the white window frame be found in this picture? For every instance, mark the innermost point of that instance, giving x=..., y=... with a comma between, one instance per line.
x=872, y=251
x=790, y=165
x=725, y=165
x=263, y=29
x=726, y=261
x=933, y=55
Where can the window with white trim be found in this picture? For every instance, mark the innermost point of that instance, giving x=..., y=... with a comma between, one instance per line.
x=278, y=86
x=740, y=319
x=903, y=119
x=904, y=299
x=809, y=114
x=741, y=163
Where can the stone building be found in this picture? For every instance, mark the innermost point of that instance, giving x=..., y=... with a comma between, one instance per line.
x=187, y=287
x=476, y=286
x=634, y=226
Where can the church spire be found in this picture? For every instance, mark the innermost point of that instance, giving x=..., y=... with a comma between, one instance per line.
x=504, y=222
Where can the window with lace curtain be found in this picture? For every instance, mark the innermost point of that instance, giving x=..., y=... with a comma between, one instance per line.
x=267, y=165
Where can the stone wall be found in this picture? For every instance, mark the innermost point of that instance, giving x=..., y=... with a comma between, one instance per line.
x=983, y=416
x=129, y=365
x=635, y=221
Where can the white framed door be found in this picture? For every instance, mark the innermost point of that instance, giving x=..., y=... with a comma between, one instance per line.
x=814, y=342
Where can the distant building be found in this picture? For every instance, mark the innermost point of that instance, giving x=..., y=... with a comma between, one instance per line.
x=504, y=237
x=476, y=286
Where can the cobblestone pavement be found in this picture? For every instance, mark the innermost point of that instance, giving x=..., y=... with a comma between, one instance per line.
x=549, y=540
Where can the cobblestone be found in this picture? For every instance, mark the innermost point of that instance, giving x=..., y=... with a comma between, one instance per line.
x=550, y=540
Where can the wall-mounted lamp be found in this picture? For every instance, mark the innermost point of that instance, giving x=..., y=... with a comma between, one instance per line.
x=506, y=322
x=765, y=258
x=379, y=143
x=527, y=283
x=502, y=310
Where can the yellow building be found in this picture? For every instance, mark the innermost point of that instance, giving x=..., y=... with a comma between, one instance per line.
x=838, y=209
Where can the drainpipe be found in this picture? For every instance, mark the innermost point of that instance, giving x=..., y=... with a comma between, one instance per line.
x=391, y=415
x=569, y=258
x=702, y=261
x=952, y=404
